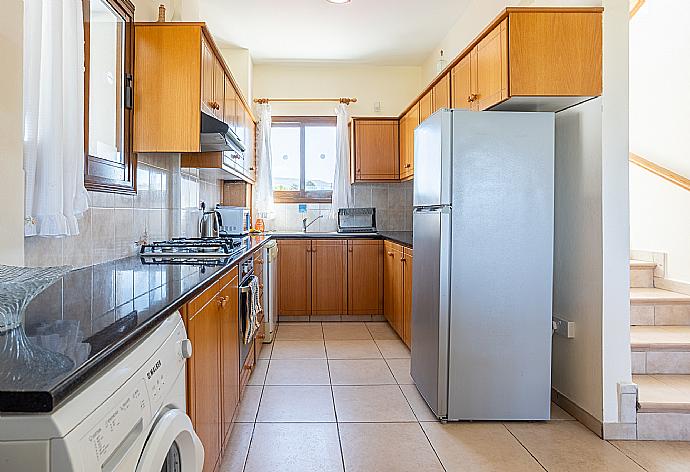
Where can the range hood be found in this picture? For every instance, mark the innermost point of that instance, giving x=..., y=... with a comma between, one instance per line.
x=217, y=136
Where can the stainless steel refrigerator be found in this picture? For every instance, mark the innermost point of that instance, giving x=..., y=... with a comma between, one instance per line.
x=483, y=264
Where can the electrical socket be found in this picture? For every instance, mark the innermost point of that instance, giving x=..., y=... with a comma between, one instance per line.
x=563, y=327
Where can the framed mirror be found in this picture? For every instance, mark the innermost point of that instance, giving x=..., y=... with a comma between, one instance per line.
x=110, y=165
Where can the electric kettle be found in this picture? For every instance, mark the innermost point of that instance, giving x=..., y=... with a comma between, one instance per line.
x=209, y=223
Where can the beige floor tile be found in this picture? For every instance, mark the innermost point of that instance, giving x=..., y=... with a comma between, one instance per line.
x=381, y=330
x=298, y=372
x=299, y=332
x=294, y=447
x=569, y=446
x=352, y=349
x=479, y=447
x=249, y=404
x=393, y=349
x=238, y=446
x=300, y=404
x=387, y=447
x=298, y=350
x=345, y=330
x=266, y=351
x=401, y=370
x=558, y=413
x=379, y=403
x=658, y=456
x=360, y=372
x=419, y=407
x=259, y=374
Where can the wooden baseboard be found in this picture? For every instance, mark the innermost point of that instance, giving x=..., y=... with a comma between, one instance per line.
x=577, y=412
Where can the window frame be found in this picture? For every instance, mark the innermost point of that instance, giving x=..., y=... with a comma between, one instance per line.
x=302, y=195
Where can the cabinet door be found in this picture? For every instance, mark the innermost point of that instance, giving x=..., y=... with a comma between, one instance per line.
x=376, y=150
x=294, y=278
x=204, y=332
x=218, y=89
x=329, y=277
x=251, y=149
x=407, y=296
x=364, y=277
x=392, y=286
x=426, y=106
x=229, y=348
x=407, y=159
x=207, y=77
x=462, y=88
x=246, y=137
x=229, y=102
x=441, y=93
x=492, y=68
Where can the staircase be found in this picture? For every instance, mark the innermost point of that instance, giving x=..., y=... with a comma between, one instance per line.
x=660, y=351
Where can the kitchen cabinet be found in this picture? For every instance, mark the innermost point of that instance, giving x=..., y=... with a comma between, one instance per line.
x=364, y=277
x=204, y=377
x=441, y=93
x=408, y=123
x=376, y=149
x=461, y=84
x=393, y=286
x=489, y=66
x=231, y=103
x=230, y=356
x=397, y=285
x=328, y=277
x=426, y=106
x=294, y=278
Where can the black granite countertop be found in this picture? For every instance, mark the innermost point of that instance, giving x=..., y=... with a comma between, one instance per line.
x=92, y=315
x=95, y=313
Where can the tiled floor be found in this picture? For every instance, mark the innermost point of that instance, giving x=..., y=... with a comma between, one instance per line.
x=339, y=397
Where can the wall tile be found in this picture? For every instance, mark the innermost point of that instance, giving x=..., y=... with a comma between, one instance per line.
x=42, y=252
x=76, y=250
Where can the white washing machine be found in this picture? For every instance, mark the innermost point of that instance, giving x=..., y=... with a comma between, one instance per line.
x=130, y=418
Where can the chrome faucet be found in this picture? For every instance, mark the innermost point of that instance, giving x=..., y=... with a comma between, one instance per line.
x=306, y=225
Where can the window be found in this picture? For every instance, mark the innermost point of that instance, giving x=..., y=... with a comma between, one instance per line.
x=303, y=152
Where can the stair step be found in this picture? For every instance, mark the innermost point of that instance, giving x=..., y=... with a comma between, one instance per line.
x=642, y=273
x=653, y=306
x=664, y=407
x=660, y=349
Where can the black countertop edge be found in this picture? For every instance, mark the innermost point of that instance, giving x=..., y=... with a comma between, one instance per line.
x=403, y=238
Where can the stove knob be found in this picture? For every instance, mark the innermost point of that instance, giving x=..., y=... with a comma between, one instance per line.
x=186, y=348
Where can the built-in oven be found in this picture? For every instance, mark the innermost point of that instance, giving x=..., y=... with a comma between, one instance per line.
x=245, y=309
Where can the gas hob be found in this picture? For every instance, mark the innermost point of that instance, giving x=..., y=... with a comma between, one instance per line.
x=193, y=251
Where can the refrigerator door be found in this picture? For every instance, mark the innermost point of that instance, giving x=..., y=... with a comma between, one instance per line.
x=430, y=299
x=432, y=160
x=502, y=266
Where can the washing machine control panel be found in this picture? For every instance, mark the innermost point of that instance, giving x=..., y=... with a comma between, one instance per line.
x=163, y=368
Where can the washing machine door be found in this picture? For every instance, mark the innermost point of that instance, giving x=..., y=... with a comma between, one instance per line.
x=172, y=446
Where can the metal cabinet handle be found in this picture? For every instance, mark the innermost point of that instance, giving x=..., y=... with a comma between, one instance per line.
x=222, y=301
x=472, y=97
x=407, y=166
x=391, y=254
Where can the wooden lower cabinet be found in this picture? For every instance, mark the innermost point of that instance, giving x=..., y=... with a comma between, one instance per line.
x=294, y=275
x=397, y=275
x=364, y=277
x=328, y=277
x=213, y=376
x=392, y=286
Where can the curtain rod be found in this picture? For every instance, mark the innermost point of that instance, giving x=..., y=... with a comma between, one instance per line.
x=346, y=101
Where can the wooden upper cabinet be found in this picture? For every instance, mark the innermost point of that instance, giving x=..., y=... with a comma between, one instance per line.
x=490, y=68
x=408, y=123
x=328, y=277
x=218, y=89
x=294, y=274
x=462, y=86
x=441, y=93
x=376, y=149
x=426, y=106
x=364, y=277
x=392, y=286
x=230, y=357
x=557, y=54
x=207, y=78
x=407, y=296
x=231, y=101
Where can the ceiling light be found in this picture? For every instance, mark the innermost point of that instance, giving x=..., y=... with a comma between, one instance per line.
x=339, y=2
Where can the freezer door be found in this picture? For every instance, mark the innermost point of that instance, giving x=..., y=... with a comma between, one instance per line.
x=432, y=160
x=430, y=306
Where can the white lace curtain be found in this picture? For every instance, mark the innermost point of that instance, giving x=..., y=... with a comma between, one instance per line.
x=263, y=190
x=342, y=195
x=54, y=117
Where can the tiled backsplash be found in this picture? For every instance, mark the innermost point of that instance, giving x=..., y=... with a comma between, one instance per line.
x=166, y=205
x=393, y=203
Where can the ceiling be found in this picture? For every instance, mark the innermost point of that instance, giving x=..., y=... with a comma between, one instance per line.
x=381, y=32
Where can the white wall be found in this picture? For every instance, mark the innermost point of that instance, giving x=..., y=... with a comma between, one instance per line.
x=660, y=220
x=659, y=48
x=240, y=63
x=394, y=87
x=11, y=124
